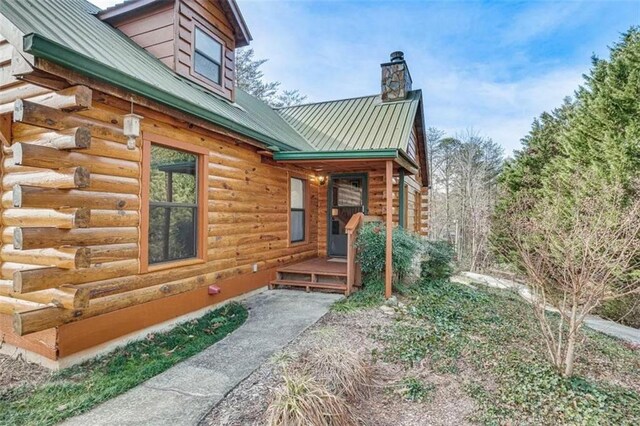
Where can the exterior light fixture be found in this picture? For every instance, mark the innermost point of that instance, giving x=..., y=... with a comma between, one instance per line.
x=394, y=180
x=321, y=179
x=131, y=129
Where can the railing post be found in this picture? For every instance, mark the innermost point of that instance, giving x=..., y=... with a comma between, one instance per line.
x=353, y=269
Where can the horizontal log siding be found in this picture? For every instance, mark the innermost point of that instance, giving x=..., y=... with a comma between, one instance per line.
x=247, y=216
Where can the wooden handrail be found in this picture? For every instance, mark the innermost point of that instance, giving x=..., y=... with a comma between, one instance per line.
x=354, y=222
x=353, y=268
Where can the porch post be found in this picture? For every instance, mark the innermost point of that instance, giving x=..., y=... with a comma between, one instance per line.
x=388, y=270
x=401, y=201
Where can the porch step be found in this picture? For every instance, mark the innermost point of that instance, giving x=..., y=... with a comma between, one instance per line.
x=295, y=269
x=342, y=288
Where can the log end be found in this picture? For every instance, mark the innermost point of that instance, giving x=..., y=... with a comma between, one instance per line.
x=17, y=196
x=18, y=240
x=83, y=137
x=17, y=282
x=82, y=217
x=18, y=153
x=18, y=110
x=83, y=258
x=81, y=177
x=17, y=324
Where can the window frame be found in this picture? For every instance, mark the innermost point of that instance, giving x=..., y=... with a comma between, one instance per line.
x=306, y=208
x=202, y=182
x=223, y=47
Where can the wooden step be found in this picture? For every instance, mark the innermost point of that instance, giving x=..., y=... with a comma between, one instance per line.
x=307, y=271
x=309, y=285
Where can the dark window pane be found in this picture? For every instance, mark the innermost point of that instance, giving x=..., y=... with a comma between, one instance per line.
x=207, y=68
x=173, y=175
x=173, y=205
x=158, y=238
x=297, y=225
x=182, y=233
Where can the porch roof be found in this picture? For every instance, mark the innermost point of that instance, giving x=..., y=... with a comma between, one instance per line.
x=347, y=160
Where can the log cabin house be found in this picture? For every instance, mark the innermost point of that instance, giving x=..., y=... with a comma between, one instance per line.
x=141, y=186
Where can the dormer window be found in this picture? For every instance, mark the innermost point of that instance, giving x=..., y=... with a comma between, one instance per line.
x=207, y=56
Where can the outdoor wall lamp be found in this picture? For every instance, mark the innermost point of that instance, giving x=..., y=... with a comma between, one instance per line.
x=131, y=129
x=321, y=179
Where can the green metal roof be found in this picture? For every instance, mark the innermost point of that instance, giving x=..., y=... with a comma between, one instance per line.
x=355, y=124
x=67, y=32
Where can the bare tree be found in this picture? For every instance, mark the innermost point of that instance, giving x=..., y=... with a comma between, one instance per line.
x=576, y=255
x=250, y=78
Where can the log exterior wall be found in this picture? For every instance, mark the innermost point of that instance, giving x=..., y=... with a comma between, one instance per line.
x=247, y=219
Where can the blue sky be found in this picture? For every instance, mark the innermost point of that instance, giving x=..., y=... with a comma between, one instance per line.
x=487, y=65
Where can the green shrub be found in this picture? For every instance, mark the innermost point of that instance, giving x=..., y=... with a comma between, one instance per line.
x=438, y=263
x=371, y=244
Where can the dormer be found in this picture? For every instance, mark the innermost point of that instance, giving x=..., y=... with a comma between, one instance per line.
x=196, y=38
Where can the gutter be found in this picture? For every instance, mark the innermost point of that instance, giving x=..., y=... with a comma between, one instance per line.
x=43, y=48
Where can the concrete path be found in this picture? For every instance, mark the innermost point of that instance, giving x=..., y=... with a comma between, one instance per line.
x=185, y=393
x=611, y=328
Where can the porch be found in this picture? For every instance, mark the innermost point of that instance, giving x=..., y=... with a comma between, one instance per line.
x=341, y=275
x=352, y=188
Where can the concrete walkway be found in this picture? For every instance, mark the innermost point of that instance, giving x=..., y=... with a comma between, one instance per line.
x=602, y=325
x=185, y=393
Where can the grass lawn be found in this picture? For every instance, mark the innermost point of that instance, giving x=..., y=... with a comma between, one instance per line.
x=79, y=388
x=489, y=341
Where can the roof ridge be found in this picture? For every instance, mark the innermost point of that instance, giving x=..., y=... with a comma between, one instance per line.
x=326, y=102
x=341, y=100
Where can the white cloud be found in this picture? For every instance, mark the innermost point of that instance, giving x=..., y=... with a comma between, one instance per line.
x=501, y=110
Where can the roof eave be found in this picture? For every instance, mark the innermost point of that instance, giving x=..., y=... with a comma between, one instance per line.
x=44, y=48
x=369, y=154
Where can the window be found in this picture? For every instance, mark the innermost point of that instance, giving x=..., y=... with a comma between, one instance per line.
x=174, y=208
x=297, y=220
x=207, y=56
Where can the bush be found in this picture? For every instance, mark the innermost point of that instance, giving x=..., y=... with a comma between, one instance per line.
x=371, y=244
x=438, y=263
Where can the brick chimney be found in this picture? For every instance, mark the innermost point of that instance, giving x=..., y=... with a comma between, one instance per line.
x=396, y=80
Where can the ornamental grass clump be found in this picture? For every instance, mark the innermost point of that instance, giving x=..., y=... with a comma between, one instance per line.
x=341, y=370
x=303, y=400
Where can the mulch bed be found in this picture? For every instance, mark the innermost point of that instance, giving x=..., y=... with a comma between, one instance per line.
x=248, y=402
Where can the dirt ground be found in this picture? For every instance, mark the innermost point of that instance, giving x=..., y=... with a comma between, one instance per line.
x=448, y=404
x=16, y=372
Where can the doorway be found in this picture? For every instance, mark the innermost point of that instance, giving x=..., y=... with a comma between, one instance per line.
x=347, y=195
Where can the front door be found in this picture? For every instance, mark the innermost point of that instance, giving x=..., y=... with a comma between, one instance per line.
x=347, y=196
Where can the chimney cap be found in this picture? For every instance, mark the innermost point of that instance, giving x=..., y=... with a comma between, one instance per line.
x=397, y=56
